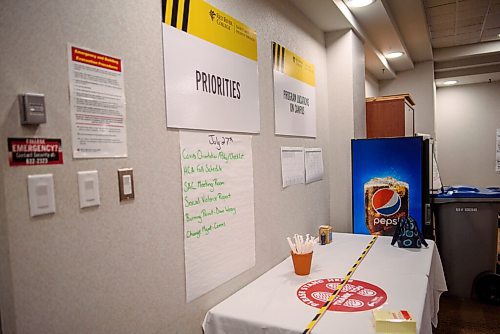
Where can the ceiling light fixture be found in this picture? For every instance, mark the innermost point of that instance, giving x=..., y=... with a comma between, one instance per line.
x=450, y=82
x=393, y=55
x=359, y=3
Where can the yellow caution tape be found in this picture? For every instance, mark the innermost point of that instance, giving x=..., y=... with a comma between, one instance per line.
x=339, y=288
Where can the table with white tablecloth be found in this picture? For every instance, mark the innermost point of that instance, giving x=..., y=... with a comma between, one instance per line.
x=388, y=278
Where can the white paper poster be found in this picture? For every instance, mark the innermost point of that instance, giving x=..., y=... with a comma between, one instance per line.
x=498, y=152
x=97, y=98
x=211, y=75
x=436, y=178
x=294, y=94
x=292, y=166
x=314, y=164
x=218, y=204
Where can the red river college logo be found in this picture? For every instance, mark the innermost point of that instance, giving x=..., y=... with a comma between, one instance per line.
x=355, y=295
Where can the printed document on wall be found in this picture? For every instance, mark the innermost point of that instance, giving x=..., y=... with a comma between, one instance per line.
x=436, y=178
x=498, y=152
x=218, y=205
x=314, y=164
x=292, y=166
x=97, y=98
x=294, y=93
x=211, y=73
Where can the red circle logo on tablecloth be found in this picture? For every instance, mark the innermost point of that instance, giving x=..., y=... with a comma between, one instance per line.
x=355, y=295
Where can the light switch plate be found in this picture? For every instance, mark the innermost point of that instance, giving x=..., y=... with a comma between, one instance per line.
x=88, y=187
x=41, y=194
x=126, y=183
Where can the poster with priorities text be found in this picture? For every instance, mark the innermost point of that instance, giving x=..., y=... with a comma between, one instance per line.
x=210, y=62
x=218, y=205
x=294, y=94
x=97, y=99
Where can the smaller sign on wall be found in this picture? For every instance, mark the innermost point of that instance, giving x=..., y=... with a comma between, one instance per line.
x=97, y=99
x=314, y=164
x=294, y=94
x=497, y=169
x=34, y=151
x=292, y=166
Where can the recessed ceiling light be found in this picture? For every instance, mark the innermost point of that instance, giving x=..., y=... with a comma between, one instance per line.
x=359, y=3
x=393, y=55
x=498, y=35
x=450, y=82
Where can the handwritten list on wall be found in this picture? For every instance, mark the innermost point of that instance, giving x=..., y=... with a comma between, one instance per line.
x=218, y=205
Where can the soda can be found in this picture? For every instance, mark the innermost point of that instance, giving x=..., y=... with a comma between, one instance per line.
x=386, y=200
x=325, y=233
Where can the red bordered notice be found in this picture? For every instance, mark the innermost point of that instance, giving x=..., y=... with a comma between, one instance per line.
x=97, y=100
x=355, y=296
x=34, y=151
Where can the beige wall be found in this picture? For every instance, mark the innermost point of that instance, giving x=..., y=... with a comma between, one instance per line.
x=346, y=81
x=119, y=268
x=419, y=82
x=466, y=121
x=371, y=85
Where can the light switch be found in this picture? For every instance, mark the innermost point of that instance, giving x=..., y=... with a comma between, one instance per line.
x=41, y=194
x=126, y=183
x=88, y=186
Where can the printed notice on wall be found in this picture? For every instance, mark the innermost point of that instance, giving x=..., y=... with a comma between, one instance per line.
x=294, y=94
x=314, y=164
x=97, y=99
x=292, y=166
x=436, y=178
x=211, y=76
x=218, y=205
x=498, y=152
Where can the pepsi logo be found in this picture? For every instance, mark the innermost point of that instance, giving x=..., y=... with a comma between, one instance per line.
x=386, y=202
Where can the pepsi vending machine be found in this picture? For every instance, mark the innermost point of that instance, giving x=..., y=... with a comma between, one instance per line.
x=390, y=178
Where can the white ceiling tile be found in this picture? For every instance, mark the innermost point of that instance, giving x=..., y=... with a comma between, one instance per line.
x=442, y=33
x=443, y=42
x=495, y=8
x=470, y=29
x=433, y=3
x=442, y=19
x=441, y=10
x=490, y=34
x=467, y=38
x=442, y=26
x=470, y=21
x=492, y=21
x=473, y=6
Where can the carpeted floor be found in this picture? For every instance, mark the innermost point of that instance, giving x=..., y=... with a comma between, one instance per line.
x=466, y=316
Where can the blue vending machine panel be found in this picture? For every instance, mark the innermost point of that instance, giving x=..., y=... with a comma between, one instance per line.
x=387, y=179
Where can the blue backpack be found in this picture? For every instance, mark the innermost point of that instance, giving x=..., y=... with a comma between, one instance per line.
x=407, y=234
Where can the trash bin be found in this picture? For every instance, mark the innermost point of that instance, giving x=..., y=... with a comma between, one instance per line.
x=466, y=234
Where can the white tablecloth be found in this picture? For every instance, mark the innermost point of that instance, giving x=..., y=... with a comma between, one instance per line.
x=413, y=280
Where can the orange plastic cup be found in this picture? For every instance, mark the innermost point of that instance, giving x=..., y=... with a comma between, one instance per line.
x=302, y=263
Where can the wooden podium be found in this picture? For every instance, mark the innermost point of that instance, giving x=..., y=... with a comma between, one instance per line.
x=390, y=116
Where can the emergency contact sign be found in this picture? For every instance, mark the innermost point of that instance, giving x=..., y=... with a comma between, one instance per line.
x=34, y=151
